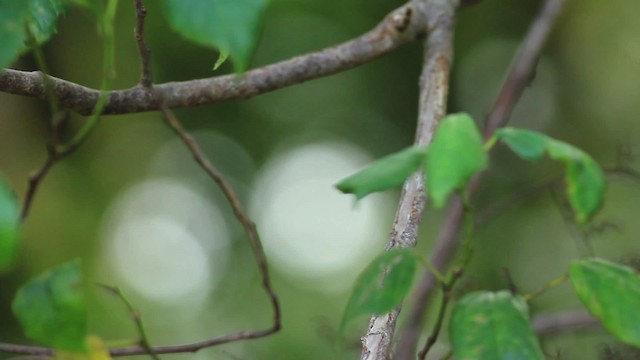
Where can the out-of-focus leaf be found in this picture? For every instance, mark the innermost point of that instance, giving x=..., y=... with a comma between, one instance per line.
x=51, y=308
x=493, y=325
x=13, y=14
x=611, y=292
x=385, y=173
x=528, y=144
x=382, y=285
x=585, y=187
x=455, y=155
x=229, y=26
x=43, y=18
x=584, y=177
x=9, y=226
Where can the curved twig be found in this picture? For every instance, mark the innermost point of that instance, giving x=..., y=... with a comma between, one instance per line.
x=398, y=28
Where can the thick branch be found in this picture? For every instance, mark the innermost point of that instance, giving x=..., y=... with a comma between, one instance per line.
x=434, y=87
x=398, y=28
x=445, y=246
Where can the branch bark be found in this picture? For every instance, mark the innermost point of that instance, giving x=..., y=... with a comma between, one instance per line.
x=401, y=26
x=434, y=88
x=518, y=78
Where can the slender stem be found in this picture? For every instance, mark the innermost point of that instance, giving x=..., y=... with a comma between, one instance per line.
x=446, y=299
x=143, y=49
x=135, y=316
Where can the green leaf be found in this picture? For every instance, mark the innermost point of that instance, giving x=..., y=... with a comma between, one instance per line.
x=51, y=308
x=585, y=187
x=229, y=26
x=493, y=325
x=385, y=173
x=585, y=179
x=455, y=155
x=382, y=285
x=13, y=14
x=529, y=145
x=43, y=18
x=611, y=292
x=9, y=226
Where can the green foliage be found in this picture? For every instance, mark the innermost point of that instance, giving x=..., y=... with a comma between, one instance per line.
x=382, y=285
x=229, y=26
x=455, y=155
x=493, y=325
x=385, y=173
x=12, y=19
x=20, y=20
x=43, y=18
x=584, y=178
x=51, y=308
x=9, y=226
x=611, y=292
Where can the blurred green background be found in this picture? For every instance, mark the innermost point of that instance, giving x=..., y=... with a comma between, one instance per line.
x=133, y=204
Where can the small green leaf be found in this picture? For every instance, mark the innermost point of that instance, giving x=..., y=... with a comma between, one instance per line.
x=9, y=226
x=455, y=155
x=386, y=173
x=221, y=59
x=493, y=325
x=529, y=145
x=43, y=18
x=611, y=292
x=585, y=179
x=13, y=14
x=229, y=26
x=51, y=308
x=382, y=285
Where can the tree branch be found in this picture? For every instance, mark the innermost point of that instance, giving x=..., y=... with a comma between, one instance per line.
x=563, y=321
x=398, y=28
x=517, y=79
x=434, y=88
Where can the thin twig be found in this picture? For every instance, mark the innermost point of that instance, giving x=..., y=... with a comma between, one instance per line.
x=135, y=316
x=143, y=49
x=400, y=27
x=524, y=66
x=434, y=88
x=446, y=243
x=250, y=229
x=446, y=299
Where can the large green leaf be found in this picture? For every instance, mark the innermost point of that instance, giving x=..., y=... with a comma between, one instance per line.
x=385, y=173
x=13, y=14
x=382, y=285
x=493, y=325
x=230, y=26
x=9, y=226
x=611, y=292
x=584, y=178
x=43, y=18
x=51, y=308
x=455, y=155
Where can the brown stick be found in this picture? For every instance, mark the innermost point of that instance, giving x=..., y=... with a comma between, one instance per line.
x=398, y=28
x=434, y=87
x=510, y=93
